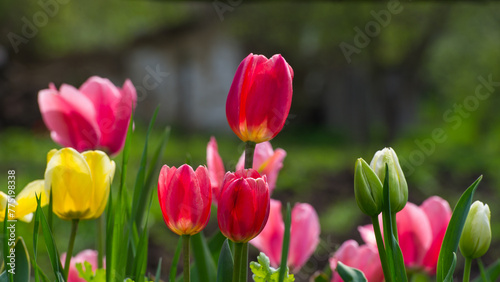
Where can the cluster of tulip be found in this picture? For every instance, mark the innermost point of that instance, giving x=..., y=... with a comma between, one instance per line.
x=257, y=107
x=77, y=180
x=421, y=235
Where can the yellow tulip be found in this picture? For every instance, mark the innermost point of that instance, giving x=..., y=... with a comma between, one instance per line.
x=24, y=204
x=80, y=182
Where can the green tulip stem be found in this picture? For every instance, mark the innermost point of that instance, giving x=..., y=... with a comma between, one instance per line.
x=249, y=151
x=100, y=240
x=381, y=250
x=394, y=226
x=69, y=252
x=239, y=250
x=185, y=251
x=244, y=263
x=468, y=262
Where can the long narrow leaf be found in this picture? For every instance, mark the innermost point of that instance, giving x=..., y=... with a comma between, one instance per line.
x=22, y=262
x=36, y=229
x=225, y=264
x=50, y=244
x=449, y=276
x=387, y=227
x=205, y=264
x=492, y=273
x=139, y=190
x=454, y=231
x=158, y=271
x=175, y=261
x=215, y=244
x=152, y=172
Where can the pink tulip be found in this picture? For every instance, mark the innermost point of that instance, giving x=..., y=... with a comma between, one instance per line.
x=215, y=167
x=304, y=235
x=259, y=98
x=421, y=231
x=365, y=258
x=89, y=256
x=266, y=161
x=96, y=116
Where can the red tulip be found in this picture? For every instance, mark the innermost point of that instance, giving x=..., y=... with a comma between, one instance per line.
x=215, y=167
x=304, y=235
x=185, y=198
x=421, y=231
x=266, y=161
x=89, y=256
x=260, y=97
x=96, y=116
x=364, y=258
x=243, y=205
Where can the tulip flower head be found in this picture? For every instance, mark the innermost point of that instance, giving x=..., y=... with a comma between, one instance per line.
x=80, y=182
x=421, y=231
x=367, y=189
x=266, y=161
x=96, y=116
x=398, y=192
x=25, y=202
x=364, y=257
x=89, y=256
x=476, y=235
x=260, y=97
x=304, y=235
x=243, y=205
x=185, y=198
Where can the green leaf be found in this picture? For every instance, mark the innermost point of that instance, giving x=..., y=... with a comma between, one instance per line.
x=49, y=243
x=139, y=189
x=286, y=244
x=262, y=271
x=393, y=251
x=205, y=264
x=454, y=231
x=215, y=243
x=225, y=264
x=36, y=229
x=23, y=268
x=175, y=261
x=350, y=274
x=88, y=275
x=4, y=277
x=492, y=273
x=449, y=276
x=158, y=271
x=151, y=175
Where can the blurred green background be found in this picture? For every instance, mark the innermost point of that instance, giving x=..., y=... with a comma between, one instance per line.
x=410, y=81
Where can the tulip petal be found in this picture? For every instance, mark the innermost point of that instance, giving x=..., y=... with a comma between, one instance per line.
x=270, y=240
x=415, y=235
x=26, y=200
x=304, y=235
x=70, y=177
x=114, y=108
x=215, y=167
x=70, y=116
x=103, y=171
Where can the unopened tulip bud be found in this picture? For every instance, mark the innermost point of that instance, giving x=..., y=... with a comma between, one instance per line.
x=398, y=192
x=367, y=189
x=476, y=235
